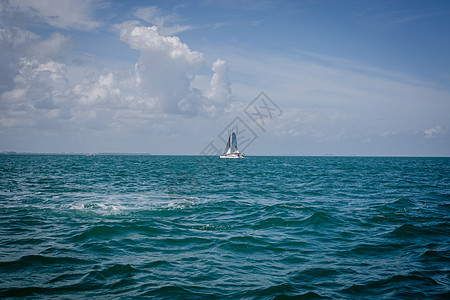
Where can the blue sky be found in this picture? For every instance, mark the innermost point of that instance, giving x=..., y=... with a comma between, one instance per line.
x=168, y=77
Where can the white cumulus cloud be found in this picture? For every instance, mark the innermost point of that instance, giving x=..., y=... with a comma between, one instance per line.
x=104, y=90
x=166, y=68
x=219, y=93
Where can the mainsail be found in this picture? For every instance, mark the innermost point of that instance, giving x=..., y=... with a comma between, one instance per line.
x=234, y=148
x=231, y=146
x=227, y=147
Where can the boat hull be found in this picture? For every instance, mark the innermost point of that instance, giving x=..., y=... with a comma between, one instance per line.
x=233, y=155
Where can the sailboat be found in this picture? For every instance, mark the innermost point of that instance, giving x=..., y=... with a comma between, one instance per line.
x=231, y=149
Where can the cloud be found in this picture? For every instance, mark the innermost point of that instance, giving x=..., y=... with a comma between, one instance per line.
x=54, y=47
x=21, y=49
x=15, y=37
x=154, y=15
x=48, y=95
x=64, y=14
x=321, y=125
x=389, y=15
x=165, y=67
x=39, y=95
x=14, y=43
x=45, y=90
x=41, y=92
x=149, y=41
x=219, y=92
x=171, y=30
x=220, y=25
x=434, y=132
x=103, y=91
x=18, y=43
x=165, y=71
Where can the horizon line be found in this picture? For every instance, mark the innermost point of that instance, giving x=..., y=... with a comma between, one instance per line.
x=258, y=155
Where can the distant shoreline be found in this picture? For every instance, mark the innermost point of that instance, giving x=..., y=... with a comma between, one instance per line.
x=151, y=154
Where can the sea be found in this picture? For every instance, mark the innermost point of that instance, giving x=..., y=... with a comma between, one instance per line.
x=201, y=227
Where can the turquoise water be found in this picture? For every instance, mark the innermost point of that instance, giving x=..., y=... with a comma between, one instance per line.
x=192, y=227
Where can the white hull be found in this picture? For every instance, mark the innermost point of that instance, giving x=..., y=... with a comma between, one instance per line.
x=232, y=155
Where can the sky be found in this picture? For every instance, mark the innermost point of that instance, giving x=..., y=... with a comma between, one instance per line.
x=307, y=77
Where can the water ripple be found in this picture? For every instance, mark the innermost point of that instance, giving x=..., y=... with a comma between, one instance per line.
x=198, y=227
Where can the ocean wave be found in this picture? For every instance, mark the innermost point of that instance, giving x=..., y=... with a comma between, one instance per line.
x=435, y=256
x=101, y=232
x=321, y=220
x=281, y=291
x=40, y=262
x=375, y=250
x=399, y=286
x=178, y=292
x=276, y=222
x=411, y=231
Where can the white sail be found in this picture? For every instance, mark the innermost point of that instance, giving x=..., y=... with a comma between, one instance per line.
x=234, y=147
x=228, y=146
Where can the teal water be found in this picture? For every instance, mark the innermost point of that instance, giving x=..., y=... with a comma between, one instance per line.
x=192, y=227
